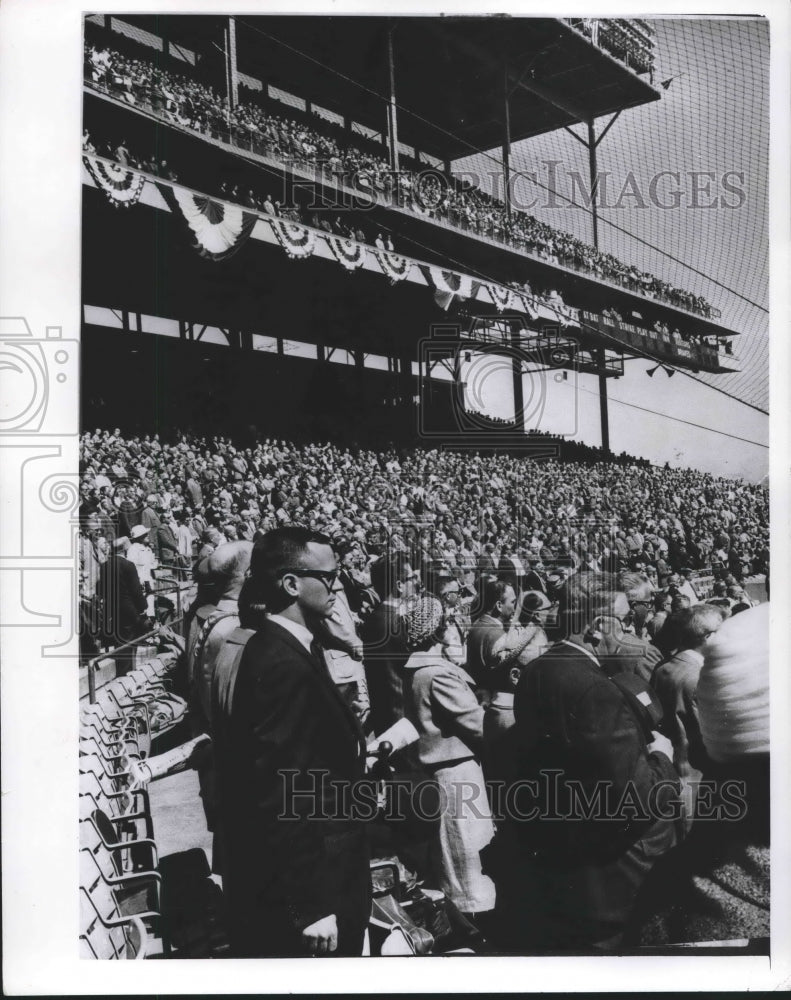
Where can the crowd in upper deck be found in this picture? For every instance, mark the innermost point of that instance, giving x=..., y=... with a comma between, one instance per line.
x=187, y=102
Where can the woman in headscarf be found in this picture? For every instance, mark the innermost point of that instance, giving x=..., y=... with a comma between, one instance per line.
x=440, y=701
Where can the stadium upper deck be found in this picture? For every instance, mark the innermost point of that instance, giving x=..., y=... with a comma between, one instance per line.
x=566, y=260
x=448, y=71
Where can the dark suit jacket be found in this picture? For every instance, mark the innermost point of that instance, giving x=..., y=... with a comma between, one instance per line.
x=291, y=859
x=635, y=656
x=484, y=633
x=571, y=716
x=385, y=654
x=123, y=599
x=535, y=581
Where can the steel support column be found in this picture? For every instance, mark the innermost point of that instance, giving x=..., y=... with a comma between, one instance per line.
x=516, y=375
x=594, y=193
x=605, y=419
x=392, y=111
x=233, y=77
x=594, y=182
x=506, y=146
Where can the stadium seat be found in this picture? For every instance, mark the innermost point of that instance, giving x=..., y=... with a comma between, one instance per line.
x=126, y=939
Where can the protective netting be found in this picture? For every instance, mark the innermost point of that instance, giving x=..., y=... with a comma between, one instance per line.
x=683, y=180
x=713, y=117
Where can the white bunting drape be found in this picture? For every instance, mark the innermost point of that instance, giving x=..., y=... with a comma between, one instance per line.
x=122, y=186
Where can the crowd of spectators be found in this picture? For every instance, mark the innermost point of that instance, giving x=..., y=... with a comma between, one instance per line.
x=354, y=225
x=471, y=595
x=196, y=106
x=560, y=514
x=630, y=40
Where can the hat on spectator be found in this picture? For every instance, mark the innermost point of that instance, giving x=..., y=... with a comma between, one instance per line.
x=733, y=690
x=122, y=542
x=422, y=620
x=139, y=531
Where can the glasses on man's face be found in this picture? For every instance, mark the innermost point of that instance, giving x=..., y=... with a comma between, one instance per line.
x=622, y=620
x=327, y=576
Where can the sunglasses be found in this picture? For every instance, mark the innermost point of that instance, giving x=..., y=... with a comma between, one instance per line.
x=327, y=576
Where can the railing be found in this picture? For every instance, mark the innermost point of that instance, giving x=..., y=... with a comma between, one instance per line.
x=629, y=40
x=112, y=654
x=653, y=342
x=242, y=139
x=175, y=624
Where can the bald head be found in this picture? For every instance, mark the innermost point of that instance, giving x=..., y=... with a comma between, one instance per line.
x=226, y=567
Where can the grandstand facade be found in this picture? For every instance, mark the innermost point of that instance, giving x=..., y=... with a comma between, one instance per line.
x=211, y=119
x=292, y=293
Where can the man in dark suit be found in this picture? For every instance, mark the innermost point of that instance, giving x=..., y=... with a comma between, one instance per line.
x=589, y=832
x=536, y=578
x=296, y=877
x=385, y=651
x=123, y=602
x=499, y=605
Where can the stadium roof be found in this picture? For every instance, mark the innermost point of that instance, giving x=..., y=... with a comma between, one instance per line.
x=449, y=71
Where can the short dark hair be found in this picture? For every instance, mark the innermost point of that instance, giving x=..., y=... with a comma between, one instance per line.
x=387, y=571
x=275, y=551
x=493, y=593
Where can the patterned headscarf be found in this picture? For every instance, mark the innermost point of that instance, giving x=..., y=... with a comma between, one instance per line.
x=422, y=620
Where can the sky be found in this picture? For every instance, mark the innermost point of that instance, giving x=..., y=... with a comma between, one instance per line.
x=713, y=119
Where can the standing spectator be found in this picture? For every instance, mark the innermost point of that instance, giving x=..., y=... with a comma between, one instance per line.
x=675, y=681
x=441, y=704
x=141, y=554
x=150, y=518
x=297, y=887
x=167, y=547
x=90, y=597
x=194, y=491
x=184, y=543
x=499, y=605
x=123, y=602
x=385, y=652
x=579, y=877
x=343, y=654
